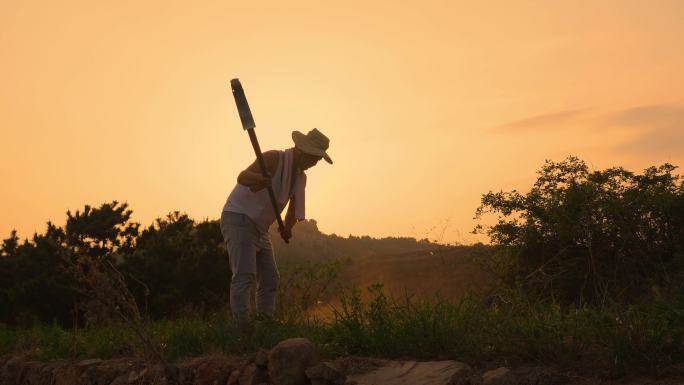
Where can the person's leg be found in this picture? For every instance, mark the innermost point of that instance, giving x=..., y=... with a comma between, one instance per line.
x=267, y=278
x=239, y=234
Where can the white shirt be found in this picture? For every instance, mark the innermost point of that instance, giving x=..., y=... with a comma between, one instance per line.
x=257, y=205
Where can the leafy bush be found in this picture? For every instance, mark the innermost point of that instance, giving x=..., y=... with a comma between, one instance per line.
x=581, y=236
x=34, y=284
x=178, y=267
x=175, y=267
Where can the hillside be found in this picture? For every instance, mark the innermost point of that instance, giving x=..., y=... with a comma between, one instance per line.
x=309, y=243
x=403, y=265
x=449, y=272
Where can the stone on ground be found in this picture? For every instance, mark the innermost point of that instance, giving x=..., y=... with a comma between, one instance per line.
x=412, y=372
x=233, y=378
x=499, y=376
x=288, y=361
x=325, y=374
x=261, y=358
x=253, y=375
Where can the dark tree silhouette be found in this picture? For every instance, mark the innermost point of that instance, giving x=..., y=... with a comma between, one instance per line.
x=581, y=236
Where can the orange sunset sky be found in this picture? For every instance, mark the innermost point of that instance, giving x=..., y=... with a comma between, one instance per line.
x=428, y=104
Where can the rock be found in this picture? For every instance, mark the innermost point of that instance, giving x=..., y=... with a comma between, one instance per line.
x=357, y=365
x=160, y=373
x=49, y=369
x=212, y=370
x=103, y=372
x=67, y=374
x=288, y=361
x=261, y=358
x=134, y=376
x=121, y=380
x=465, y=376
x=499, y=376
x=32, y=373
x=16, y=370
x=233, y=378
x=325, y=374
x=253, y=375
x=5, y=358
x=412, y=372
x=11, y=371
x=88, y=363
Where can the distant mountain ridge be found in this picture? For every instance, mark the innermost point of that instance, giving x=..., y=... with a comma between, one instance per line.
x=309, y=243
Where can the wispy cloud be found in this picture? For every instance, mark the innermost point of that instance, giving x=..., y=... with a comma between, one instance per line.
x=555, y=120
x=653, y=130
x=660, y=127
x=650, y=116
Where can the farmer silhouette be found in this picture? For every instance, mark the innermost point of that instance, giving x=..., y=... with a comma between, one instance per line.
x=248, y=213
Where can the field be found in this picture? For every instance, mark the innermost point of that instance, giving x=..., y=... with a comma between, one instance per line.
x=383, y=321
x=444, y=273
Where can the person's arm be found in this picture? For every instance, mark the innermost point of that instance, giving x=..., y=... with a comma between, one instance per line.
x=290, y=221
x=252, y=176
x=295, y=210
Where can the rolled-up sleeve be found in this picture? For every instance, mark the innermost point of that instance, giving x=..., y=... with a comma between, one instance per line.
x=299, y=197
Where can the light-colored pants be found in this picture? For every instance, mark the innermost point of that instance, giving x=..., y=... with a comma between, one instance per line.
x=251, y=257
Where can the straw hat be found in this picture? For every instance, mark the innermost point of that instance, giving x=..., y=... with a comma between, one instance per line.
x=313, y=143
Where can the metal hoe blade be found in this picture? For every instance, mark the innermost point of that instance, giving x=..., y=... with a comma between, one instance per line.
x=242, y=105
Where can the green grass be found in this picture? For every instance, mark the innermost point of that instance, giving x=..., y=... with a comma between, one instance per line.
x=636, y=338
x=616, y=338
